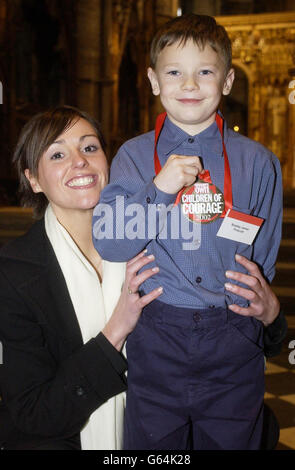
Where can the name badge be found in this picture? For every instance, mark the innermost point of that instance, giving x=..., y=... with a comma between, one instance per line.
x=240, y=227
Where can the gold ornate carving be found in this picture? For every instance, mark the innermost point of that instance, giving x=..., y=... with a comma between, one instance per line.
x=264, y=48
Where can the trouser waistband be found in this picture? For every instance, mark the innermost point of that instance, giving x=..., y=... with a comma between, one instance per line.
x=187, y=317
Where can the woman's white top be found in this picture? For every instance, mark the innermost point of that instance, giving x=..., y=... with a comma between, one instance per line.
x=94, y=303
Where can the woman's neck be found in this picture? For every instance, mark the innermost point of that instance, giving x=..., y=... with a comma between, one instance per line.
x=79, y=226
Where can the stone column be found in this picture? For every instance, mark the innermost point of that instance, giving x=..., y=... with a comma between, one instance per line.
x=107, y=74
x=116, y=15
x=166, y=10
x=3, y=162
x=88, y=14
x=2, y=19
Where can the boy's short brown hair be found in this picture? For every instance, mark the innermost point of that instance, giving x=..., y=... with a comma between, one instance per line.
x=202, y=29
x=35, y=138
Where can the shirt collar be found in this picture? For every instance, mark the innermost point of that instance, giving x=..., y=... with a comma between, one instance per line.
x=209, y=139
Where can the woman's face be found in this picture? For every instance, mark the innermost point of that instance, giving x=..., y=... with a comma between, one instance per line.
x=73, y=170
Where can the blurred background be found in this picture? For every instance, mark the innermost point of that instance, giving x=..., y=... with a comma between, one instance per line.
x=94, y=54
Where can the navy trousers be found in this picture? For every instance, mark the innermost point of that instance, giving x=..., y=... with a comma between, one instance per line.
x=195, y=380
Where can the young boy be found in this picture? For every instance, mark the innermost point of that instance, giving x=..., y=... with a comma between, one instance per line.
x=196, y=368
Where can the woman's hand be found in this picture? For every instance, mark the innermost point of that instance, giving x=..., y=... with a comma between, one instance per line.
x=130, y=304
x=264, y=304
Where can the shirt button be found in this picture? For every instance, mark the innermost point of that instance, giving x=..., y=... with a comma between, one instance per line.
x=79, y=391
x=198, y=279
x=148, y=199
x=197, y=317
x=191, y=140
x=196, y=243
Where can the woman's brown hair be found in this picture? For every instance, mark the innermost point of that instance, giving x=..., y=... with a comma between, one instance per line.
x=35, y=138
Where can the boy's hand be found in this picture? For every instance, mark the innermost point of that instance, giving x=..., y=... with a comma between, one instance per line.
x=264, y=305
x=178, y=171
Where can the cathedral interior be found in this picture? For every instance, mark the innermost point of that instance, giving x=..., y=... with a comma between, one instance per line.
x=94, y=54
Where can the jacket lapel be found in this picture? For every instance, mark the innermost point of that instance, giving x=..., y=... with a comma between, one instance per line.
x=38, y=278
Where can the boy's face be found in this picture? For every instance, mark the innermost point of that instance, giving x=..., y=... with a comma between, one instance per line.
x=190, y=82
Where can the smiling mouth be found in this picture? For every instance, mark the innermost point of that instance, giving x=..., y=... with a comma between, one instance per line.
x=82, y=182
x=189, y=101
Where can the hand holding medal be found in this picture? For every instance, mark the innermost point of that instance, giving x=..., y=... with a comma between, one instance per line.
x=201, y=201
x=179, y=171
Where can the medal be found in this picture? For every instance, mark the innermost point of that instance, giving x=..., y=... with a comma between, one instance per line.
x=202, y=202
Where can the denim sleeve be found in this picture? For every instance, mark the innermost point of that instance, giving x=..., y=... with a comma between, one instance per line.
x=122, y=218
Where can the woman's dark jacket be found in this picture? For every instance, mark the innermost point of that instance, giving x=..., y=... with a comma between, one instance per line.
x=50, y=382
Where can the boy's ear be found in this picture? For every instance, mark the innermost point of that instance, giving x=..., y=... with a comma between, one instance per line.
x=228, y=82
x=154, y=81
x=36, y=188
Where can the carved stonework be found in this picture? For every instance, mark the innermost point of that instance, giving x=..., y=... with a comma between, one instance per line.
x=121, y=12
x=264, y=48
x=130, y=27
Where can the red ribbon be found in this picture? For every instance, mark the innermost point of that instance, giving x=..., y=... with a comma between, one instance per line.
x=205, y=176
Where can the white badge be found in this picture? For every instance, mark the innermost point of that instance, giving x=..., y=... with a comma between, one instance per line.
x=239, y=227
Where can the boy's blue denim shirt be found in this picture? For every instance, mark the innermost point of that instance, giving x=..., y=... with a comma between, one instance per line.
x=192, y=270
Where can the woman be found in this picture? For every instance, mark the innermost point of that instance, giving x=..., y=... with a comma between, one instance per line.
x=63, y=317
